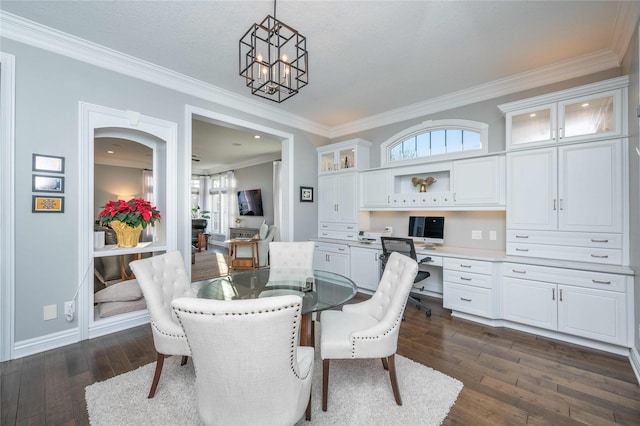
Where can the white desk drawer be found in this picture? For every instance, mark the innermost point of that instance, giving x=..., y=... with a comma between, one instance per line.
x=468, y=278
x=463, y=298
x=577, y=254
x=477, y=266
x=587, y=279
x=578, y=239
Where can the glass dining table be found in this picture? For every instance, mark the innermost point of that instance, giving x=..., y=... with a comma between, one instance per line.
x=319, y=290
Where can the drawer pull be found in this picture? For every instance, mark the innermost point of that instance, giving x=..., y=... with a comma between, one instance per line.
x=553, y=294
x=518, y=271
x=465, y=266
x=599, y=241
x=600, y=256
x=522, y=236
x=464, y=299
x=465, y=279
x=601, y=282
x=521, y=249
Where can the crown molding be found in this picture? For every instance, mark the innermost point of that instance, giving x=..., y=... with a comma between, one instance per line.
x=28, y=32
x=561, y=71
x=626, y=21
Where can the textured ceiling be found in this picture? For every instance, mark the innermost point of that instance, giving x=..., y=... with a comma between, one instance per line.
x=365, y=57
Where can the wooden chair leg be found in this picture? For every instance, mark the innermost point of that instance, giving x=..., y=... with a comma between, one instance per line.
x=156, y=376
x=184, y=360
x=394, y=379
x=308, y=412
x=325, y=383
x=385, y=365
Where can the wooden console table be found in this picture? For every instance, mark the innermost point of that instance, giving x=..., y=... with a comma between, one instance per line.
x=236, y=262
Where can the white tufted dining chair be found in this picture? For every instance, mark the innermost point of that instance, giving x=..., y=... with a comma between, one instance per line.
x=369, y=329
x=257, y=374
x=291, y=255
x=162, y=279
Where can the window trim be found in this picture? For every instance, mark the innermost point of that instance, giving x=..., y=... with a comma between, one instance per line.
x=432, y=125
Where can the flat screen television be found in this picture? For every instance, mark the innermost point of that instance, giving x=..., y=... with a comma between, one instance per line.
x=427, y=229
x=250, y=202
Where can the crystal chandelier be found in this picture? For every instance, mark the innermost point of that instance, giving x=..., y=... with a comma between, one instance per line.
x=273, y=59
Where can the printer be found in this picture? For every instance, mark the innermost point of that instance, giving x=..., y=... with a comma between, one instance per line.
x=369, y=237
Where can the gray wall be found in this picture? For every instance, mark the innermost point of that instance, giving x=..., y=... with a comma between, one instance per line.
x=48, y=90
x=257, y=177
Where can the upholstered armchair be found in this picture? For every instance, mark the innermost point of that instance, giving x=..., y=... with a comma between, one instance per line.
x=162, y=279
x=265, y=236
x=249, y=367
x=197, y=227
x=369, y=329
x=287, y=255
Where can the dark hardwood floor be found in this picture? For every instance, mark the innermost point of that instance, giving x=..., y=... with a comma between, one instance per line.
x=509, y=377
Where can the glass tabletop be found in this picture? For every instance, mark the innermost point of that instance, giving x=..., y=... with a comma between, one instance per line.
x=319, y=290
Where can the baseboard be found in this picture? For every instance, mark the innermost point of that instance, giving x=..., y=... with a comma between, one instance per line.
x=68, y=337
x=45, y=343
x=634, y=359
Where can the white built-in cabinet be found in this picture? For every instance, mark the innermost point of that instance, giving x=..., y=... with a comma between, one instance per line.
x=566, y=200
x=580, y=303
x=471, y=286
x=338, y=188
x=591, y=112
x=479, y=181
x=470, y=184
x=365, y=267
x=331, y=258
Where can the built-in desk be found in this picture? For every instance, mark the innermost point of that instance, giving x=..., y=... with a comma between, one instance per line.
x=583, y=303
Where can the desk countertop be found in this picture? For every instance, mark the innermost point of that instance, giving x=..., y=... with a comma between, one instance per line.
x=494, y=256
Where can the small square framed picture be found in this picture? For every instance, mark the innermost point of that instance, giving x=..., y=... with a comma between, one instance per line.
x=42, y=183
x=44, y=204
x=47, y=163
x=306, y=194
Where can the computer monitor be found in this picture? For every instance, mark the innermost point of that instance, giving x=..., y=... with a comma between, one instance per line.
x=427, y=229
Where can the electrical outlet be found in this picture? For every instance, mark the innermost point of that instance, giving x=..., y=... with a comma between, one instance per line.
x=493, y=235
x=476, y=235
x=49, y=312
x=69, y=310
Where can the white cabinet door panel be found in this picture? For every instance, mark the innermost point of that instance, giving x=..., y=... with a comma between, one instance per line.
x=532, y=189
x=347, y=210
x=479, y=181
x=530, y=302
x=590, y=187
x=365, y=267
x=595, y=314
x=327, y=198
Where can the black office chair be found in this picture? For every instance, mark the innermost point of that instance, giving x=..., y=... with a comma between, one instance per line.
x=405, y=246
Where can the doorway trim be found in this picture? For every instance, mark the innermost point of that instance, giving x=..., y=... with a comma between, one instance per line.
x=96, y=117
x=286, y=227
x=7, y=215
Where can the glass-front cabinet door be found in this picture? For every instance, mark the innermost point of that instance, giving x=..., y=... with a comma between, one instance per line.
x=590, y=115
x=532, y=126
x=344, y=156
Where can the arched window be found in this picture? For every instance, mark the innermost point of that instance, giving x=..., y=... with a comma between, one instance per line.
x=435, y=140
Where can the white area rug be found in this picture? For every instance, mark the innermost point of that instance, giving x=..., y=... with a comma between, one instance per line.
x=359, y=394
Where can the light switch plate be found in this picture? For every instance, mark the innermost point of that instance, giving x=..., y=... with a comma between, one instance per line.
x=476, y=235
x=49, y=312
x=493, y=236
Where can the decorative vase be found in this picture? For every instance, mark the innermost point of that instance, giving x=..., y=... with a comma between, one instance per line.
x=127, y=235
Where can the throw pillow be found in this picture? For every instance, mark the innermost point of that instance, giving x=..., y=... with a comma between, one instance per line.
x=121, y=292
x=108, y=309
x=264, y=228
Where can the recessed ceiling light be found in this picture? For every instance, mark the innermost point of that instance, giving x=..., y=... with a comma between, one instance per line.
x=256, y=137
x=532, y=115
x=586, y=104
x=109, y=152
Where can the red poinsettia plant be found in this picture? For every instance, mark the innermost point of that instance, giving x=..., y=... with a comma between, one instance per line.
x=134, y=212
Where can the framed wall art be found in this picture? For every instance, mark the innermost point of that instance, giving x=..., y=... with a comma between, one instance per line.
x=45, y=204
x=47, y=163
x=41, y=183
x=306, y=194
